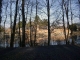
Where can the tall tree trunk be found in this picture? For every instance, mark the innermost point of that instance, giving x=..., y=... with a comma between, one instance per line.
x=79, y=8
x=71, y=17
x=5, y=21
x=30, y=27
x=19, y=31
x=67, y=11
x=63, y=20
x=48, y=12
x=35, y=38
x=0, y=13
x=26, y=19
x=71, y=21
x=14, y=25
x=23, y=24
x=11, y=15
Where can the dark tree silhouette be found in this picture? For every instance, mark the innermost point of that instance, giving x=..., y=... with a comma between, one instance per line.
x=66, y=6
x=79, y=8
x=11, y=15
x=19, y=31
x=71, y=15
x=63, y=19
x=48, y=13
x=0, y=12
x=31, y=26
x=5, y=18
x=14, y=25
x=36, y=24
x=23, y=24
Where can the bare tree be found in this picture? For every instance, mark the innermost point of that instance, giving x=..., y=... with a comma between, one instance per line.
x=36, y=23
x=79, y=8
x=27, y=12
x=19, y=31
x=63, y=20
x=66, y=6
x=23, y=24
x=31, y=25
x=0, y=12
x=14, y=25
x=11, y=15
x=48, y=13
x=71, y=15
x=5, y=19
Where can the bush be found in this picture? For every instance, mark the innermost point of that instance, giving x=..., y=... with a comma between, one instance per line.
x=73, y=27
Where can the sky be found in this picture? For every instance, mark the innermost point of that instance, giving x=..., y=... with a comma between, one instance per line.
x=55, y=11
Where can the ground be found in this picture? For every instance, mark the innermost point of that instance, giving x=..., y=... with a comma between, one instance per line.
x=59, y=52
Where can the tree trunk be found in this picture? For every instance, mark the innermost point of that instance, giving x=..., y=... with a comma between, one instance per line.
x=36, y=25
x=11, y=15
x=19, y=32
x=79, y=8
x=31, y=27
x=14, y=25
x=23, y=25
x=67, y=11
x=0, y=14
x=71, y=17
x=63, y=20
x=5, y=20
x=26, y=19
x=48, y=12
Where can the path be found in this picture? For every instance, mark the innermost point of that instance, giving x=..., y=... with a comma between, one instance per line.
x=60, y=52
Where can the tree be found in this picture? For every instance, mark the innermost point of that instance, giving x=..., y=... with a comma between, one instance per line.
x=23, y=24
x=71, y=15
x=31, y=43
x=20, y=25
x=43, y=23
x=5, y=18
x=66, y=6
x=36, y=23
x=73, y=27
x=37, y=19
x=11, y=15
x=79, y=8
x=48, y=13
x=63, y=19
x=14, y=25
x=2, y=28
x=0, y=12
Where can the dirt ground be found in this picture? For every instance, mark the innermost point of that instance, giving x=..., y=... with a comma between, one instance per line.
x=59, y=52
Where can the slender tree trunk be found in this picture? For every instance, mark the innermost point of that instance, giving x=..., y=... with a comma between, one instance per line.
x=71, y=22
x=79, y=8
x=71, y=17
x=11, y=15
x=5, y=21
x=48, y=12
x=26, y=20
x=23, y=24
x=19, y=31
x=30, y=27
x=63, y=20
x=36, y=25
x=0, y=14
x=67, y=11
x=14, y=25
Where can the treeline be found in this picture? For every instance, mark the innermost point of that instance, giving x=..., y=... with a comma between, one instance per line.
x=41, y=23
x=27, y=12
